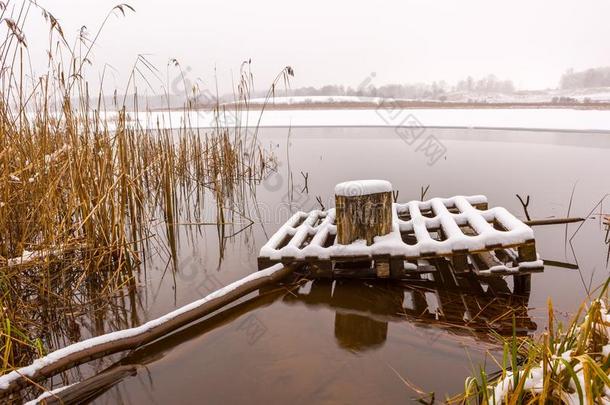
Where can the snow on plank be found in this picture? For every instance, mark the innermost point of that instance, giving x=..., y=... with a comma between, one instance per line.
x=490, y=241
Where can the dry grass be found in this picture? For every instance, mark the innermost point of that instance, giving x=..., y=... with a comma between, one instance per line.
x=82, y=195
x=565, y=365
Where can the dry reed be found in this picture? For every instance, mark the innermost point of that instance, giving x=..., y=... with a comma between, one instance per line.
x=85, y=189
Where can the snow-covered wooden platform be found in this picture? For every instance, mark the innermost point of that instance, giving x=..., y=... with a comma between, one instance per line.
x=463, y=230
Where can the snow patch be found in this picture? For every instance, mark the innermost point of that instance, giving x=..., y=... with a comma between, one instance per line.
x=362, y=187
x=505, y=118
x=534, y=378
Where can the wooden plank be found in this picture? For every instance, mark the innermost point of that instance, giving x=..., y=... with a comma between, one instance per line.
x=482, y=206
x=350, y=258
x=527, y=253
x=397, y=267
x=487, y=259
x=320, y=269
x=493, y=246
x=460, y=263
x=522, y=284
x=393, y=266
x=382, y=267
x=265, y=262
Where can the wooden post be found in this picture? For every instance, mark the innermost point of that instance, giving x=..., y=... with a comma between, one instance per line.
x=363, y=210
x=382, y=267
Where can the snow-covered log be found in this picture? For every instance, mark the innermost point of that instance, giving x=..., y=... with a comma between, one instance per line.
x=127, y=339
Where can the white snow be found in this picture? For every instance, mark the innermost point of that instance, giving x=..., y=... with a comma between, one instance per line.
x=50, y=158
x=48, y=394
x=508, y=118
x=392, y=244
x=534, y=380
x=316, y=99
x=595, y=95
x=32, y=369
x=362, y=187
x=591, y=94
x=26, y=257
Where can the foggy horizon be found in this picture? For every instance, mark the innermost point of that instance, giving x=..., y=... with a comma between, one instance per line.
x=337, y=44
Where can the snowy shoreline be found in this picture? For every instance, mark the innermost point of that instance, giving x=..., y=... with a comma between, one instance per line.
x=555, y=119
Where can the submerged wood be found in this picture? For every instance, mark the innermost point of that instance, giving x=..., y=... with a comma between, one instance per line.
x=129, y=339
x=363, y=217
x=96, y=385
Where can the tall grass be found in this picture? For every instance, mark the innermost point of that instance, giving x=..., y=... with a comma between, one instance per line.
x=566, y=365
x=85, y=189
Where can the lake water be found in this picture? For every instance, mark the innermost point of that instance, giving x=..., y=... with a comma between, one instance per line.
x=348, y=342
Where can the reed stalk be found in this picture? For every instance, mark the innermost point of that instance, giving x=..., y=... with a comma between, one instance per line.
x=87, y=191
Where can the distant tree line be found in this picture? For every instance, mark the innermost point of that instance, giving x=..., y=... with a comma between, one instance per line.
x=435, y=90
x=489, y=84
x=417, y=90
x=596, y=77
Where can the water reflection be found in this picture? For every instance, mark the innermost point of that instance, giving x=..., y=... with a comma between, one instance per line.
x=135, y=362
x=460, y=304
x=366, y=316
x=362, y=309
x=365, y=313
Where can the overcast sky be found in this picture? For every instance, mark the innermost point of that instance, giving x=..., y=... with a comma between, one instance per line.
x=342, y=42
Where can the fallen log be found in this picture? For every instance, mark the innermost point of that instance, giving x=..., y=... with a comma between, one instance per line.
x=552, y=221
x=132, y=338
x=89, y=389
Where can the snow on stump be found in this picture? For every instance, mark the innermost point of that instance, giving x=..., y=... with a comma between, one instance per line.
x=363, y=210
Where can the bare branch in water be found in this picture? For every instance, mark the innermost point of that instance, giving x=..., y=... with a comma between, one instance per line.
x=525, y=205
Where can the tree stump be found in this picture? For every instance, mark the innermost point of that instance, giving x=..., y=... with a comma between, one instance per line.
x=363, y=210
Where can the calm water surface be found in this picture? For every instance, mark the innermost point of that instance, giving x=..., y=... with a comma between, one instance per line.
x=350, y=342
